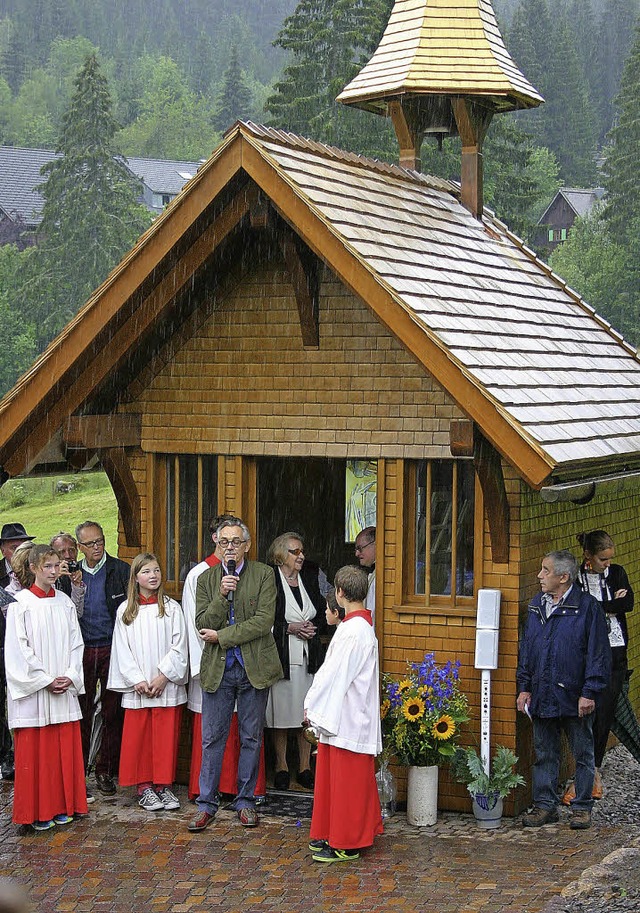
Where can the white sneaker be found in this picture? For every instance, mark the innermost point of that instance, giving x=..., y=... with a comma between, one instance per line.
x=169, y=800
x=151, y=801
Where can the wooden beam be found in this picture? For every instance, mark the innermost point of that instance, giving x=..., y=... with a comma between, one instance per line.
x=116, y=465
x=126, y=336
x=408, y=133
x=488, y=466
x=473, y=122
x=461, y=437
x=95, y=432
x=305, y=279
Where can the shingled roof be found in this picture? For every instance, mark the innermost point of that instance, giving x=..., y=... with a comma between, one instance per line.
x=449, y=47
x=20, y=176
x=550, y=383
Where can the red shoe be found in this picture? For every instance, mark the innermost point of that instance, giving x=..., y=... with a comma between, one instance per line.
x=201, y=821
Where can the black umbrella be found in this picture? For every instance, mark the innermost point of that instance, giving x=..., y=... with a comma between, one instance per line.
x=625, y=724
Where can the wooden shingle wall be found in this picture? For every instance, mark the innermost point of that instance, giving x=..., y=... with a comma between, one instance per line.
x=245, y=384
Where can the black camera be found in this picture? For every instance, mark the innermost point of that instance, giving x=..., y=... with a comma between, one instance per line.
x=73, y=566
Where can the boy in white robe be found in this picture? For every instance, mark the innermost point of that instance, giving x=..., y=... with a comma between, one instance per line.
x=343, y=706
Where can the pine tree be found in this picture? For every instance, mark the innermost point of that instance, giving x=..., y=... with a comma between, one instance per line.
x=234, y=102
x=615, y=38
x=329, y=41
x=622, y=165
x=90, y=216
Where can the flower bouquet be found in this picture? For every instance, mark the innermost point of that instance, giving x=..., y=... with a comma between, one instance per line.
x=421, y=713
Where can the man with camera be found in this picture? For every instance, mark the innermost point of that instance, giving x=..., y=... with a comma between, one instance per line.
x=70, y=580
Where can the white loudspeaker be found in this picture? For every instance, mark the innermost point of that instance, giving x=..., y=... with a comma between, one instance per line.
x=486, y=649
x=488, y=615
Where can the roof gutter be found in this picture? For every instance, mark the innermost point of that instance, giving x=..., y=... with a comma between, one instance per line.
x=583, y=491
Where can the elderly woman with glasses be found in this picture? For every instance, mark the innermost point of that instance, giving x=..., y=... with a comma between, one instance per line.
x=299, y=619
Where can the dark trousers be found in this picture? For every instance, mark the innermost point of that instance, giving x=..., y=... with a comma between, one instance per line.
x=217, y=710
x=5, y=734
x=606, y=707
x=546, y=769
x=96, y=669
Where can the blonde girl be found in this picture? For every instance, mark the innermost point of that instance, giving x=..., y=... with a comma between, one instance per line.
x=149, y=665
x=43, y=656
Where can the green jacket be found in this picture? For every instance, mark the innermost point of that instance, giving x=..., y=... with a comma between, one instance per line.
x=254, y=607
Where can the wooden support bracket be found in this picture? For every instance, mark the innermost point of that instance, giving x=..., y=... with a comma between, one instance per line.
x=488, y=466
x=116, y=465
x=304, y=274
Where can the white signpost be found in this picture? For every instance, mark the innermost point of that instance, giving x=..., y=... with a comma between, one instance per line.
x=487, y=634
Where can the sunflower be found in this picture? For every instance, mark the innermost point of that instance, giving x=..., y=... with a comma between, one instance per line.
x=413, y=708
x=444, y=727
x=405, y=684
x=385, y=706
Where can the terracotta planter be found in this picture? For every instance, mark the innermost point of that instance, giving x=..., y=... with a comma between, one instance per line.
x=422, y=796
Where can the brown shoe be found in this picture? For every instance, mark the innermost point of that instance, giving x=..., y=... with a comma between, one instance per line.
x=580, y=819
x=569, y=793
x=201, y=821
x=596, y=792
x=248, y=816
x=539, y=816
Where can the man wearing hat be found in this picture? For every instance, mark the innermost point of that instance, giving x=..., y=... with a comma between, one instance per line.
x=11, y=536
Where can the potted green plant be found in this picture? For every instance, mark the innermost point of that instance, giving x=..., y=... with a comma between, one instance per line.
x=487, y=790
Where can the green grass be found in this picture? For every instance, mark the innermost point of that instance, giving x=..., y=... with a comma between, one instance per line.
x=43, y=512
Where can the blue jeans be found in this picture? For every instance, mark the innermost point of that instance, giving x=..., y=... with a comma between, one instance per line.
x=217, y=710
x=546, y=770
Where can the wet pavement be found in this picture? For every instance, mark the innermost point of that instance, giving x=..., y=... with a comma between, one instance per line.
x=123, y=859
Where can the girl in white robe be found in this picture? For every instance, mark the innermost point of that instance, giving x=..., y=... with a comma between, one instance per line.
x=43, y=656
x=150, y=666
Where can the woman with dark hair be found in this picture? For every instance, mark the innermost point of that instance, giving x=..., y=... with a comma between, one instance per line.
x=299, y=611
x=609, y=584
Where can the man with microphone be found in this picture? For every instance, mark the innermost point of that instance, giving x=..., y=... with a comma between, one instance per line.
x=235, y=611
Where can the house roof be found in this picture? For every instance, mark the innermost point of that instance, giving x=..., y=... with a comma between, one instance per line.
x=581, y=200
x=549, y=383
x=448, y=47
x=20, y=176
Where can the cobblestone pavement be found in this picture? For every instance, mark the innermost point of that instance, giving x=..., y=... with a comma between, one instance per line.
x=122, y=859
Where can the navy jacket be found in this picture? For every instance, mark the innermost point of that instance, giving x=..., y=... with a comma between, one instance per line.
x=564, y=657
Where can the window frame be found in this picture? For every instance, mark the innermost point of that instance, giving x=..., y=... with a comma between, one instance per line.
x=171, y=575
x=407, y=601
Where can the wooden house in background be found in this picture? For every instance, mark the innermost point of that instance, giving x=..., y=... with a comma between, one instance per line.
x=298, y=307
x=555, y=223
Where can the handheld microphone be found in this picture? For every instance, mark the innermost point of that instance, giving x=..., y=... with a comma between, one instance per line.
x=231, y=569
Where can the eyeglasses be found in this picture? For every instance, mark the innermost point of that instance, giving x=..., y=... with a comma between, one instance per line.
x=92, y=544
x=361, y=548
x=296, y=551
x=236, y=543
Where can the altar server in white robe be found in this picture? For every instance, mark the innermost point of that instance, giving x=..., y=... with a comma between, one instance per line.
x=343, y=706
x=43, y=656
x=149, y=665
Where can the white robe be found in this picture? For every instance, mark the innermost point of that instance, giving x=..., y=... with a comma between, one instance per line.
x=149, y=645
x=196, y=643
x=343, y=703
x=43, y=641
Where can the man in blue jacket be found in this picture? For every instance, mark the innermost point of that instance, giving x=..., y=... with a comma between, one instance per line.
x=564, y=664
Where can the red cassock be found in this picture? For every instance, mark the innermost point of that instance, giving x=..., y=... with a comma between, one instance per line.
x=49, y=773
x=149, y=752
x=346, y=806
